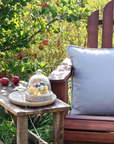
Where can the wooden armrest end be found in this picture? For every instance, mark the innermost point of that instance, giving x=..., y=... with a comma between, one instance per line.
x=62, y=72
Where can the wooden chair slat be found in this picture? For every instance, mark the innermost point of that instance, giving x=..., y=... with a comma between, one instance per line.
x=107, y=25
x=93, y=30
x=88, y=125
x=89, y=136
x=101, y=22
x=76, y=142
x=92, y=118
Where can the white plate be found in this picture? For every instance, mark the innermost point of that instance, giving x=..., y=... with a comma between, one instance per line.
x=18, y=98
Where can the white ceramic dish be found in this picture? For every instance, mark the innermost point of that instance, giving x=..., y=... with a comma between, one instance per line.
x=40, y=98
x=18, y=98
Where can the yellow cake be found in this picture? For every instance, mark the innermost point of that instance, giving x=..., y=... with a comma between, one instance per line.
x=38, y=89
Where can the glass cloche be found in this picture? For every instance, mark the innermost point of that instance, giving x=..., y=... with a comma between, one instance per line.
x=39, y=88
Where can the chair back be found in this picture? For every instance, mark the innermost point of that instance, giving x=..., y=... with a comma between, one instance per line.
x=107, y=27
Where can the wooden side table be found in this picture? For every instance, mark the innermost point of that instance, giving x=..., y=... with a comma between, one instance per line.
x=57, y=108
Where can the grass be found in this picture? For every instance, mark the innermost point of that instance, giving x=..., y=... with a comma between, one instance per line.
x=7, y=128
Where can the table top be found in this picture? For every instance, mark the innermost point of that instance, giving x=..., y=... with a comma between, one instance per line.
x=58, y=105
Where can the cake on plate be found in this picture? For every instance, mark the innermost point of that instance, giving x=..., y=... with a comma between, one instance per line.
x=39, y=88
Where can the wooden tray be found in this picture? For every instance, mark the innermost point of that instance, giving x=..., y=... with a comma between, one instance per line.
x=18, y=98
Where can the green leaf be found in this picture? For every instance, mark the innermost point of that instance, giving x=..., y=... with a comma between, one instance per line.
x=38, y=25
x=43, y=64
x=21, y=43
x=11, y=63
x=1, y=36
x=22, y=69
x=27, y=24
x=42, y=10
x=69, y=19
x=57, y=30
x=18, y=32
x=25, y=35
x=23, y=3
x=17, y=51
x=18, y=6
x=53, y=10
x=25, y=59
x=73, y=17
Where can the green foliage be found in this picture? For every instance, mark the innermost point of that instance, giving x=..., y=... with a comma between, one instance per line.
x=21, y=68
x=12, y=35
x=44, y=125
x=7, y=128
x=21, y=20
x=26, y=22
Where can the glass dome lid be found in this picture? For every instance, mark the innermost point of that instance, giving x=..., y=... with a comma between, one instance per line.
x=39, y=84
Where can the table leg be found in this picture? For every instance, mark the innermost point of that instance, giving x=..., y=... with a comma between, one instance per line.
x=22, y=129
x=58, y=128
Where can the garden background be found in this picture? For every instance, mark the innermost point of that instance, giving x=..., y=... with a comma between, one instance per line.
x=34, y=35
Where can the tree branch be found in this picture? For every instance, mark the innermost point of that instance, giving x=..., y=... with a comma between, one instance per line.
x=7, y=49
x=43, y=27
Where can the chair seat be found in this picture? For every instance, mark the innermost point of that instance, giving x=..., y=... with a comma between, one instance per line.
x=86, y=123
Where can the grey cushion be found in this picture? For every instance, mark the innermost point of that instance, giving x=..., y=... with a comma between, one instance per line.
x=92, y=91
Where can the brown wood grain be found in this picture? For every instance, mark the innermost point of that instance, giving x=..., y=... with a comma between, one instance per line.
x=89, y=125
x=89, y=136
x=61, y=90
x=22, y=130
x=107, y=26
x=93, y=30
x=62, y=72
x=76, y=142
x=58, y=128
x=58, y=105
x=92, y=118
x=59, y=80
x=35, y=139
x=1, y=142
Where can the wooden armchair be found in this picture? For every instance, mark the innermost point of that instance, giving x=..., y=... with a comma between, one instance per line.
x=84, y=129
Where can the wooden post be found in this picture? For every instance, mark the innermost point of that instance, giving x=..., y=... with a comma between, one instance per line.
x=58, y=128
x=1, y=142
x=22, y=129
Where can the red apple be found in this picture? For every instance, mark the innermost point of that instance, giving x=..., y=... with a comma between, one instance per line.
x=15, y=80
x=20, y=56
x=45, y=41
x=44, y=5
x=4, y=81
x=58, y=44
x=41, y=47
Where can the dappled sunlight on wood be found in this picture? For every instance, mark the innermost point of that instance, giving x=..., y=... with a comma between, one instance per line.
x=62, y=72
x=23, y=110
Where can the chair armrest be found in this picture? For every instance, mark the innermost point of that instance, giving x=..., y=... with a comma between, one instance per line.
x=59, y=80
x=62, y=72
